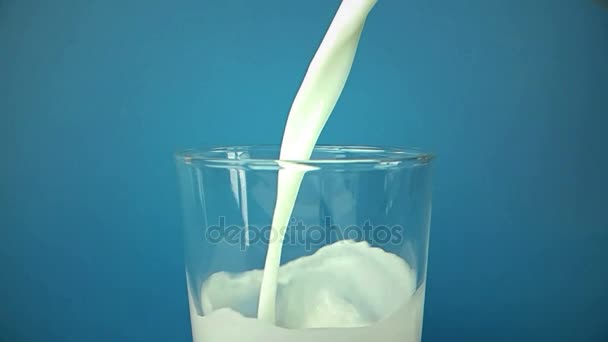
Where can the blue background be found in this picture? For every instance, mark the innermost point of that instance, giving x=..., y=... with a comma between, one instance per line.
x=96, y=95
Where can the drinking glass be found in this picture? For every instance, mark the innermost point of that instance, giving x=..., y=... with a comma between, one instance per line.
x=354, y=255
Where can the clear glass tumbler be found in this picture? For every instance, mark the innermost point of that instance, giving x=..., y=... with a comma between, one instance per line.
x=354, y=254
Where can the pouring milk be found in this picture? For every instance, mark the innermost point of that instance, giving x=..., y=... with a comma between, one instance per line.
x=297, y=297
x=314, y=102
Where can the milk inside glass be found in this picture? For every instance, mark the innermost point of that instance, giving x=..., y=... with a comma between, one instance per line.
x=346, y=291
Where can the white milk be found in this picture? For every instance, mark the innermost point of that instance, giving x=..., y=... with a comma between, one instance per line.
x=344, y=285
x=314, y=102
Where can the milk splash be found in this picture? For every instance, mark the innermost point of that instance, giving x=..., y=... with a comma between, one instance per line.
x=314, y=102
x=347, y=284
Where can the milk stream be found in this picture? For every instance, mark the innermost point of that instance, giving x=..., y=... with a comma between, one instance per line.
x=347, y=284
x=314, y=102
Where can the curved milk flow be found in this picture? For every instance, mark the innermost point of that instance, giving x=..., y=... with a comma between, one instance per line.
x=314, y=102
x=343, y=285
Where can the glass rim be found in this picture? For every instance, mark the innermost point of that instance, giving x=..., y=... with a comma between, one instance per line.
x=362, y=155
